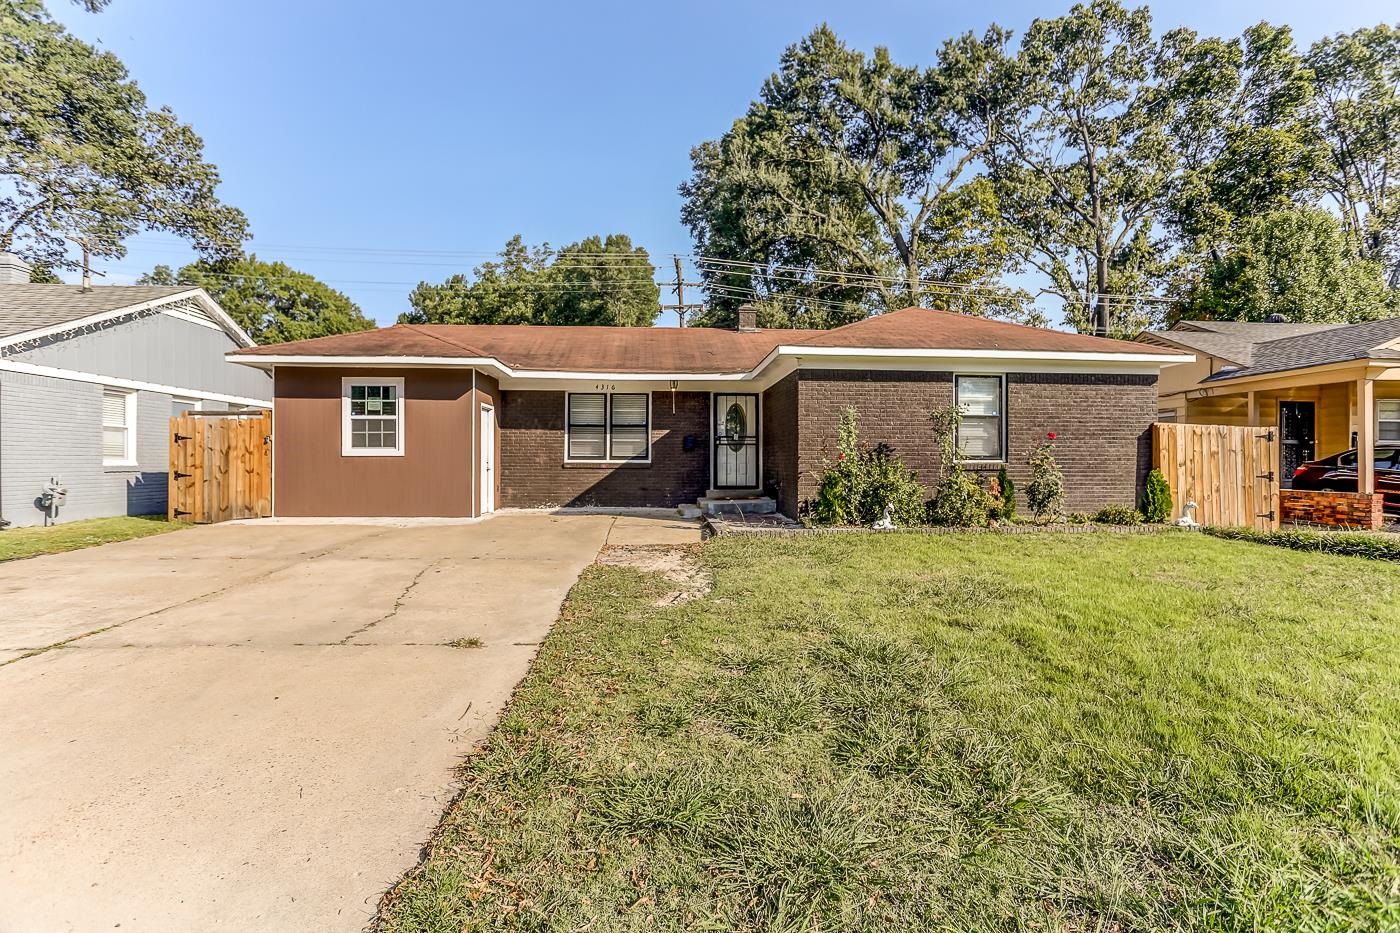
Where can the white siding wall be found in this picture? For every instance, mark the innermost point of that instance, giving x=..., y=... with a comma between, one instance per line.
x=53, y=427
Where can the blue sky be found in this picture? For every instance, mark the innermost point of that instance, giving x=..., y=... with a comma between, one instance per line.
x=375, y=150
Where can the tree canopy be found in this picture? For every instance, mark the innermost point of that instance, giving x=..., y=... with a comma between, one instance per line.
x=1124, y=173
x=847, y=188
x=270, y=300
x=598, y=280
x=1297, y=263
x=84, y=160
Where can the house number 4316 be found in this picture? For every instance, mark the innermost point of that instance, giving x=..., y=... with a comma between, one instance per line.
x=605, y=386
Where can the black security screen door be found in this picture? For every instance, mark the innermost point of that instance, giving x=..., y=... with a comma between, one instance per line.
x=736, y=442
x=1295, y=433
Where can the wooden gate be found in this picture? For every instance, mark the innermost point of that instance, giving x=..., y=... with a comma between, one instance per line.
x=1230, y=473
x=220, y=466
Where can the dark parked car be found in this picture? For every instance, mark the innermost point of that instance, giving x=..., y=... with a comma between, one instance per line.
x=1337, y=473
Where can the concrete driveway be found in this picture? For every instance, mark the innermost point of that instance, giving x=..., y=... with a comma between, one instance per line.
x=254, y=727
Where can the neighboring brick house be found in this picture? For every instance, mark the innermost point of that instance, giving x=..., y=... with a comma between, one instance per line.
x=457, y=420
x=89, y=378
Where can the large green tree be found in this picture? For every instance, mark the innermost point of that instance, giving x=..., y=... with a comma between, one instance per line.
x=1299, y=263
x=270, y=300
x=601, y=281
x=1237, y=118
x=1077, y=152
x=1357, y=112
x=85, y=161
x=846, y=189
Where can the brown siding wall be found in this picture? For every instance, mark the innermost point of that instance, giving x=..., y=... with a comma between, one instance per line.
x=533, y=472
x=432, y=478
x=780, y=443
x=1101, y=424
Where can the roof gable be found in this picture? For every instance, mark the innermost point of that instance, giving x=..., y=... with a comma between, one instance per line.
x=30, y=311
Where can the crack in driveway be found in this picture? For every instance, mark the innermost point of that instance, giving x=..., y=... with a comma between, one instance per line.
x=398, y=603
x=300, y=558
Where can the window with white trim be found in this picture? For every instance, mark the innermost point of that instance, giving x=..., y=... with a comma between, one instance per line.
x=981, y=432
x=607, y=427
x=179, y=406
x=118, y=427
x=371, y=417
x=1388, y=419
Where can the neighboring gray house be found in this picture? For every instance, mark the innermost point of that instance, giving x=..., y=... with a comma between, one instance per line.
x=89, y=378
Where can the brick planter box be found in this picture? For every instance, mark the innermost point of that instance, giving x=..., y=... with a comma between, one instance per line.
x=1334, y=509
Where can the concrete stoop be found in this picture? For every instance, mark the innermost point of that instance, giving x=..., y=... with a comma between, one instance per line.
x=734, y=505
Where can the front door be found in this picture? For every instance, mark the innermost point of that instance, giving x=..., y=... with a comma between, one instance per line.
x=736, y=441
x=1296, y=421
x=488, y=459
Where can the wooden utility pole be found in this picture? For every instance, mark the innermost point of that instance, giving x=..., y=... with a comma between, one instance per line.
x=678, y=286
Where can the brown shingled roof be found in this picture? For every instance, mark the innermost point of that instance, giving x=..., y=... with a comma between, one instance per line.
x=692, y=349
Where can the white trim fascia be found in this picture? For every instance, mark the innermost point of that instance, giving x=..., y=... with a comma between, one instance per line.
x=210, y=307
x=796, y=352
x=73, y=375
x=400, y=434
x=180, y=314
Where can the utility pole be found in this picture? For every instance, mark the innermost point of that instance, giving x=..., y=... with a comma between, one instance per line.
x=678, y=286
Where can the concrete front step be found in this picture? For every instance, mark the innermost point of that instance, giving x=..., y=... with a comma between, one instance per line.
x=745, y=505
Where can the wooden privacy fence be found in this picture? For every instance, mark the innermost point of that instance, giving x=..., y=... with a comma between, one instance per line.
x=220, y=466
x=1230, y=473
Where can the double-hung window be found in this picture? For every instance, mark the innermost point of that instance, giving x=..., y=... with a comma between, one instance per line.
x=982, y=432
x=371, y=417
x=608, y=427
x=1388, y=419
x=118, y=427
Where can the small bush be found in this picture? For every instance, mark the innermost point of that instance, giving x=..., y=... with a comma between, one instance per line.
x=1045, y=493
x=959, y=500
x=1157, y=498
x=857, y=486
x=1007, y=491
x=1346, y=544
x=1078, y=518
x=1118, y=515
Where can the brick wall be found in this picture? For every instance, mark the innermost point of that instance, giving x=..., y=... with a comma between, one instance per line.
x=780, y=443
x=1101, y=422
x=533, y=472
x=1337, y=509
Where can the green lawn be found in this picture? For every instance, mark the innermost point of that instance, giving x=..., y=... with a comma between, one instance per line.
x=69, y=536
x=1036, y=732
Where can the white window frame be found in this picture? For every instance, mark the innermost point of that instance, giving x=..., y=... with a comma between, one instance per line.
x=1002, y=415
x=1379, y=420
x=607, y=430
x=346, y=383
x=194, y=403
x=128, y=458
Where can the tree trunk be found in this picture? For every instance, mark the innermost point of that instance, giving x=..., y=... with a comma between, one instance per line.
x=1101, y=286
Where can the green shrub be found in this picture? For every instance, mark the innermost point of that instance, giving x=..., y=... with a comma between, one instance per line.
x=959, y=500
x=856, y=487
x=1078, y=518
x=1007, y=491
x=1344, y=543
x=1118, y=515
x=1045, y=493
x=1157, y=498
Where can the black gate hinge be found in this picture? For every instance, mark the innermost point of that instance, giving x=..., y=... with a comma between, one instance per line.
x=179, y=512
x=179, y=475
x=180, y=437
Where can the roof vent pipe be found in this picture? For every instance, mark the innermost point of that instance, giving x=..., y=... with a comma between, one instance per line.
x=748, y=319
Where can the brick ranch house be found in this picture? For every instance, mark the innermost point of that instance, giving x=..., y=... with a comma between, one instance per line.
x=457, y=420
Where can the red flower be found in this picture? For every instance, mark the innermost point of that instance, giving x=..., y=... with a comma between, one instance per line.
x=1051, y=435
x=840, y=456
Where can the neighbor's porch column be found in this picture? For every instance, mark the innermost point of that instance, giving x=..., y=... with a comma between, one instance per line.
x=1365, y=436
x=1253, y=409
